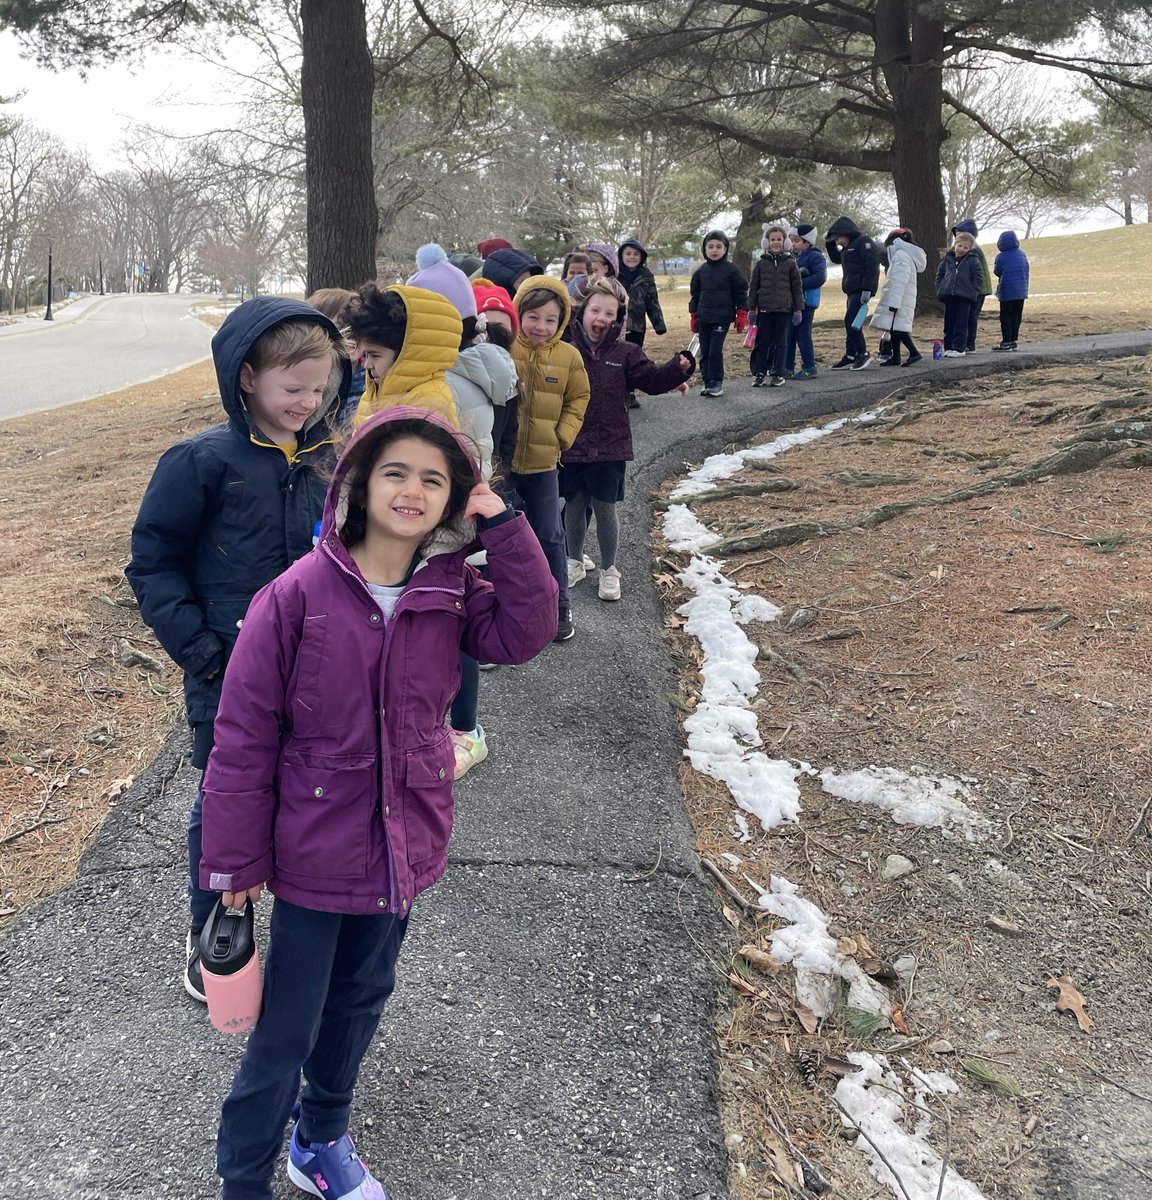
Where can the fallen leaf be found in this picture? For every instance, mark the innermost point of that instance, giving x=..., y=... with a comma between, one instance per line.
x=863, y=946
x=840, y=1067
x=762, y=961
x=806, y=1017
x=731, y=917
x=118, y=787
x=898, y=1022
x=1003, y=926
x=1070, y=1000
x=742, y=985
x=847, y=946
x=879, y=969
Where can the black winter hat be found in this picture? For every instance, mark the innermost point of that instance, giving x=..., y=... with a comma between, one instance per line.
x=716, y=235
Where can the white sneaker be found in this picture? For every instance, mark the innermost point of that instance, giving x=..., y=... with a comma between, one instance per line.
x=609, y=588
x=469, y=749
x=576, y=572
x=589, y=565
x=953, y=353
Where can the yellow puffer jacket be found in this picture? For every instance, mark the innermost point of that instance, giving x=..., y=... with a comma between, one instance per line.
x=431, y=346
x=553, y=389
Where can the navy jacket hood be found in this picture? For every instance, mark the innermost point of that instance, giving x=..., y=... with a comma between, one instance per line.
x=242, y=327
x=504, y=267
x=1008, y=241
x=842, y=227
x=965, y=226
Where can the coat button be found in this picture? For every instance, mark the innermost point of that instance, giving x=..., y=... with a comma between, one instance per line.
x=403, y=905
x=457, y=603
x=374, y=618
x=441, y=772
x=387, y=810
x=381, y=903
x=318, y=793
x=240, y=623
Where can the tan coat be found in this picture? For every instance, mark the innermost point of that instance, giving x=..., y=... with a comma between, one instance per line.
x=553, y=389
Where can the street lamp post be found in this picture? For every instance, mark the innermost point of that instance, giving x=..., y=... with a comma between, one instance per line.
x=48, y=311
x=101, y=276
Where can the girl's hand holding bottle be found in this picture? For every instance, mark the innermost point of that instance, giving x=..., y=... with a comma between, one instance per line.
x=236, y=899
x=483, y=502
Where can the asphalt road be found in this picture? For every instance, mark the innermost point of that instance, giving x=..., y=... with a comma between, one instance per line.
x=551, y=1034
x=111, y=343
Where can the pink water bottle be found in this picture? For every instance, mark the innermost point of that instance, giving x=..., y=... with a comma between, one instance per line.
x=937, y=349
x=230, y=967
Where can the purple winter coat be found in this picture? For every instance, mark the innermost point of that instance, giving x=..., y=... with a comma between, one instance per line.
x=615, y=368
x=331, y=777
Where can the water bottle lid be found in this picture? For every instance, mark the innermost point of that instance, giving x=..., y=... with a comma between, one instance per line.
x=228, y=940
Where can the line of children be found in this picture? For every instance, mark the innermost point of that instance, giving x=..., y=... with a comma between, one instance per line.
x=592, y=468
x=896, y=308
x=1011, y=270
x=718, y=298
x=813, y=268
x=776, y=299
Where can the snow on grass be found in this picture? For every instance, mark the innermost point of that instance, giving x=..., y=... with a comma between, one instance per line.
x=722, y=732
x=806, y=944
x=918, y=799
x=724, y=466
x=684, y=531
x=892, y=1133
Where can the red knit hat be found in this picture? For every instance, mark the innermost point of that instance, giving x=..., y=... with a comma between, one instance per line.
x=492, y=245
x=490, y=298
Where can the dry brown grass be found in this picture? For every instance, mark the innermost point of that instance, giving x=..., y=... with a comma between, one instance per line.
x=74, y=723
x=1045, y=710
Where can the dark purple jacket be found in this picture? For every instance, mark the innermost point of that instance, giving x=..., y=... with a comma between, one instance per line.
x=331, y=777
x=615, y=369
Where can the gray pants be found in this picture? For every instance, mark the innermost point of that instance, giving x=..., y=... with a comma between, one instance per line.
x=576, y=527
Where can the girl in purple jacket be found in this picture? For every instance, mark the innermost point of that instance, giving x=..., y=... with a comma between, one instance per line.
x=592, y=468
x=331, y=777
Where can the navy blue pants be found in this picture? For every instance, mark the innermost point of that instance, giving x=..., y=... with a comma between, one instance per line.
x=854, y=340
x=540, y=496
x=771, y=338
x=327, y=977
x=200, y=902
x=800, y=337
x=712, y=353
x=974, y=322
x=957, y=319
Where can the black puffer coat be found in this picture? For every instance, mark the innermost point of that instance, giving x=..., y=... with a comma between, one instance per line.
x=226, y=512
x=643, y=297
x=718, y=290
x=860, y=259
x=776, y=286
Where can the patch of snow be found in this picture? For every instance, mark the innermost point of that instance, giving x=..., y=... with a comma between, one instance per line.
x=743, y=834
x=918, y=799
x=724, y=466
x=684, y=531
x=807, y=945
x=733, y=860
x=880, y=1113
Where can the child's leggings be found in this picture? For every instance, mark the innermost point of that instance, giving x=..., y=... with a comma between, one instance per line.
x=576, y=527
x=464, y=714
x=1011, y=312
x=712, y=352
x=901, y=337
x=327, y=977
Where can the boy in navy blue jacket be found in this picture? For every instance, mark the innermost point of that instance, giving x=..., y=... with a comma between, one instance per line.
x=1011, y=270
x=858, y=256
x=231, y=508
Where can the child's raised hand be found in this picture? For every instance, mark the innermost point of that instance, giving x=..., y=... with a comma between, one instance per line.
x=483, y=502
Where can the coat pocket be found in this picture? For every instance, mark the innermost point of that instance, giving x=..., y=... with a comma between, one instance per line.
x=428, y=804
x=324, y=821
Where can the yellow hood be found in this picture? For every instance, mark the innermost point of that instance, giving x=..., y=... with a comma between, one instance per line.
x=431, y=346
x=552, y=284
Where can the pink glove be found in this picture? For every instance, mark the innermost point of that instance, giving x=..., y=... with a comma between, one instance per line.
x=693, y=323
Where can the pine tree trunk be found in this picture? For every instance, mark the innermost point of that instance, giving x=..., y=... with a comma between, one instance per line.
x=748, y=235
x=909, y=51
x=336, y=85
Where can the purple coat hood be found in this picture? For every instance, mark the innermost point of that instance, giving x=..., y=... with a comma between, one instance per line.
x=331, y=778
x=615, y=368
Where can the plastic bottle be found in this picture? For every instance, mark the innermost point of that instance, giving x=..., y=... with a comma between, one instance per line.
x=230, y=967
x=937, y=349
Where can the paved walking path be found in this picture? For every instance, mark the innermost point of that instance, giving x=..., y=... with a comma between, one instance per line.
x=551, y=1033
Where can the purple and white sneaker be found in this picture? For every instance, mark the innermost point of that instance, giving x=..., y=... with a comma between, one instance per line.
x=332, y=1170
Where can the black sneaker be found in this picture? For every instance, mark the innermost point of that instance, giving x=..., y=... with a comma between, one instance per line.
x=632, y=401
x=564, y=627
x=911, y=359
x=776, y=381
x=861, y=361
x=758, y=381
x=1002, y=347
x=193, y=980
x=844, y=363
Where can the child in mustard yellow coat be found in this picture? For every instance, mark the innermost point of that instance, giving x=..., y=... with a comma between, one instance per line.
x=554, y=396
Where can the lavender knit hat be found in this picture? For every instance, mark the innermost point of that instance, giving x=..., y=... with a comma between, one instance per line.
x=436, y=274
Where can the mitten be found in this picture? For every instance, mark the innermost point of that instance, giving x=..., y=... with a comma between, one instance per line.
x=741, y=320
x=797, y=318
x=694, y=323
x=804, y=271
x=865, y=297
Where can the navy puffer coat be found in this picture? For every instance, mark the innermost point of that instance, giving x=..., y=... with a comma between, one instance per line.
x=225, y=512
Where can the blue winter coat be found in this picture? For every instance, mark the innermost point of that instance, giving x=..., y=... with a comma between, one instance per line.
x=227, y=511
x=504, y=267
x=1011, y=268
x=813, y=268
x=958, y=277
